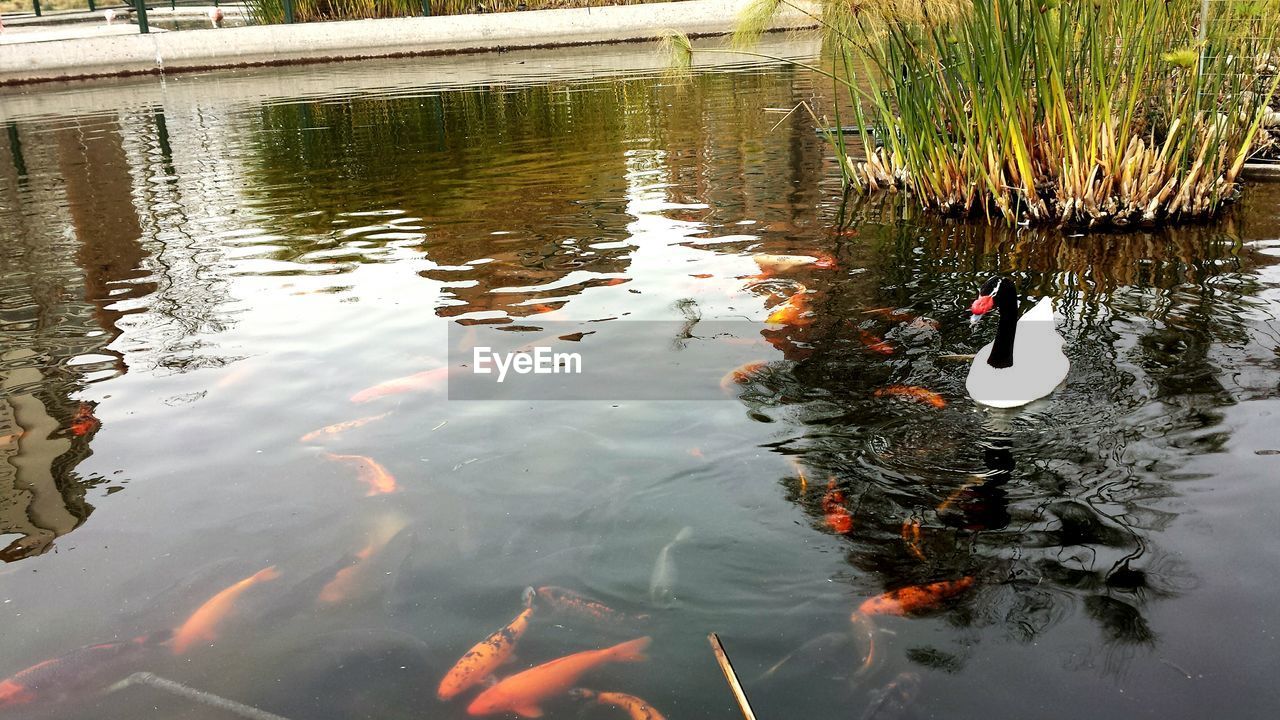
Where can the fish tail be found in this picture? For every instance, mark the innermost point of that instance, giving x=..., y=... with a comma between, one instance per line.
x=14, y=693
x=631, y=651
x=528, y=596
x=865, y=623
x=685, y=533
x=582, y=694
x=265, y=574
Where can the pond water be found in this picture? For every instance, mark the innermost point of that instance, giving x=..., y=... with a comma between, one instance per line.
x=195, y=277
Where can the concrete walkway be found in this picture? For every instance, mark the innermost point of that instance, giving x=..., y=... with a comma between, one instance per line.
x=189, y=50
x=79, y=31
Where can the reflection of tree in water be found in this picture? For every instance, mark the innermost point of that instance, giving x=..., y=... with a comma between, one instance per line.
x=71, y=257
x=553, y=221
x=1055, y=508
x=190, y=296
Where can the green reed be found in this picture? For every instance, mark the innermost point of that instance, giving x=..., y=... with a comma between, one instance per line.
x=1085, y=113
x=272, y=11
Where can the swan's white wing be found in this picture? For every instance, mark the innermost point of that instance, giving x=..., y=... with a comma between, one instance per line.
x=1039, y=365
x=1042, y=312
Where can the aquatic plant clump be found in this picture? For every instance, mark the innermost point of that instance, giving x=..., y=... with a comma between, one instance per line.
x=1049, y=112
x=270, y=12
x=266, y=12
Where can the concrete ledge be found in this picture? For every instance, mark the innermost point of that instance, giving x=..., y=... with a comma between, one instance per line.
x=1261, y=171
x=315, y=42
x=252, y=87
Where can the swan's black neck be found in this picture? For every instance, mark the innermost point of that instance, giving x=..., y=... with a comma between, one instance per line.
x=1007, y=304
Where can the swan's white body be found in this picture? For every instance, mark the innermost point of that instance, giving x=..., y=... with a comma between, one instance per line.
x=1039, y=365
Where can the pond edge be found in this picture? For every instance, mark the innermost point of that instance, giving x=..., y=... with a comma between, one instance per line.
x=197, y=50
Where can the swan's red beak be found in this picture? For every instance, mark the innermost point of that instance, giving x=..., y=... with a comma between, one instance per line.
x=982, y=305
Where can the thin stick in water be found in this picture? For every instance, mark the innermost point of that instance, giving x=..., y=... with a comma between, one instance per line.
x=200, y=696
x=727, y=668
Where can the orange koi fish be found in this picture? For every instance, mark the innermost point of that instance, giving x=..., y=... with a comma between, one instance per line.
x=875, y=343
x=484, y=657
x=742, y=374
x=911, y=535
x=800, y=473
x=840, y=521
x=635, y=707
x=339, y=428
x=344, y=581
x=83, y=670
x=371, y=472
x=954, y=497
x=563, y=601
x=468, y=341
x=233, y=377
x=347, y=581
x=835, y=514
x=773, y=264
x=915, y=598
x=862, y=624
x=824, y=261
x=203, y=623
x=83, y=422
x=914, y=393
x=523, y=693
x=615, y=281
x=795, y=311
x=426, y=381
x=702, y=276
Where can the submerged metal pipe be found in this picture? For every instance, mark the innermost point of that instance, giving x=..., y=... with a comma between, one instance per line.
x=200, y=696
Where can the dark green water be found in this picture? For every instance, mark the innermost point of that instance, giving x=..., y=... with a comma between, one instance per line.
x=191, y=285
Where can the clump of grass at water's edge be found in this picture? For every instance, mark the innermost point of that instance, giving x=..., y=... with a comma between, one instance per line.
x=272, y=11
x=1082, y=114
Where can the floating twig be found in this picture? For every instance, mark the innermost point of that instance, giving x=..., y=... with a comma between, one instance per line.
x=1179, y=668
x=200, y=696
x=727, y=668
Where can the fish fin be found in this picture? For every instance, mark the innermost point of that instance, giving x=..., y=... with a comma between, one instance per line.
x=528, y=596
x=685, y=533
x=529, y=711
x=512, y=658
x=489, y=681
x=632, y=650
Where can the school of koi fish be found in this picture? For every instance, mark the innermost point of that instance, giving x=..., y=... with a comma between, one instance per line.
x=478, y=677
x=796, y=311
